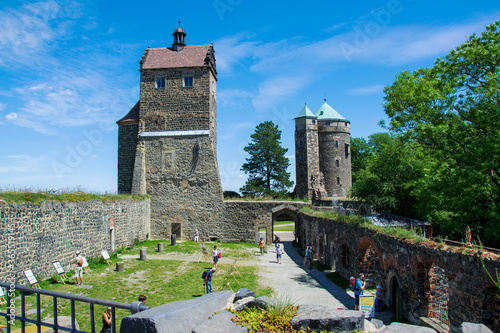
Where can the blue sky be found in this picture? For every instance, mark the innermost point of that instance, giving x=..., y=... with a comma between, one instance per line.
x=69, y=71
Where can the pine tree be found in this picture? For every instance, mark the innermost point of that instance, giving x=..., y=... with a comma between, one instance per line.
x=267, y=164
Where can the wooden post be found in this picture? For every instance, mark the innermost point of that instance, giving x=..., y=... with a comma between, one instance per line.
x=120, y=266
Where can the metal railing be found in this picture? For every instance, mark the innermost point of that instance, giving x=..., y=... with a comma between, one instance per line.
x=10, y=315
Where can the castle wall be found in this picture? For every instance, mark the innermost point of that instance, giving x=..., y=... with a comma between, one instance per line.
x=332, y=141
x=427, y=274
x=41, y=234
x=175, y=107
x=183, y=181
x=127, y=143
x=306, y=158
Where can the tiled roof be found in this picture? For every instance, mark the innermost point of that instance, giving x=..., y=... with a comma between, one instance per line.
x=132, y=117
x=326, y=112
x=305, y=113
x=166, y=57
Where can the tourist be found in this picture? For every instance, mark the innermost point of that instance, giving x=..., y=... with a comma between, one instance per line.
x=215, y=256
x=306, y=255
x=208, y=279
x=261, y=246
x=310, y=256
x=196, y=235
x=106, y=321
x=79, y=268
x=379, y=302
x=276, y=240
x=358, y=289
x=279, y=252
x=142, y=298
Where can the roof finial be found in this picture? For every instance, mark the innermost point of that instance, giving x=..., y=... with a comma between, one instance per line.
x=325, y=96
x=179, y=24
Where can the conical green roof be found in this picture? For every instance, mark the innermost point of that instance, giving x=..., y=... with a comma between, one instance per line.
x=326, y=112
x=305, y=113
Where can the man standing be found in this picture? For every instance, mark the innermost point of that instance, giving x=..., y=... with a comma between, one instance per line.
x=78, y=270
x=208, y=280
x=358, y=290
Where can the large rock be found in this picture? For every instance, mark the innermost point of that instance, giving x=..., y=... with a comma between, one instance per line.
x=178, y=317
x=220, y=323
x=320, y=318
x=473, y=328
x=243, y=293
x=243, y=303
x=405, y=328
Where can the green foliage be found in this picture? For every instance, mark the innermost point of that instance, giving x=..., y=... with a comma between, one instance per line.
x=35, y=197
x=267, y=164
x=441, y=162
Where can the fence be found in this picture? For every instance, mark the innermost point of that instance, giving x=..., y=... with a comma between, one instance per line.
x=11, y=315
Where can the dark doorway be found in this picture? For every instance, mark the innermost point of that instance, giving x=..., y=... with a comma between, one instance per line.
x=394, y=288
x=176, y=229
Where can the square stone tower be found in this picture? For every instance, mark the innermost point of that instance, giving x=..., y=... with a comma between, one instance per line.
x=167, y=143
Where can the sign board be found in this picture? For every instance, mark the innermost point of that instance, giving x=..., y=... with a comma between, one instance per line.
x=367, y=305
x=30, y=276
x=105, y=255
x=57, y=266
x=85, y=263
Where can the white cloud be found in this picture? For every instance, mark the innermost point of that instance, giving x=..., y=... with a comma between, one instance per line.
x=19, y=163
x=231, y=50
x=232, y=97
x=11, y=116
x=273, y=91
x=2, y=106
x=368, y=90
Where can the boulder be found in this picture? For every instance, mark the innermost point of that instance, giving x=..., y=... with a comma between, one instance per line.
x=406, y=328
x=178, y=317
x=369, y=327
x=377, y=323
x=320, y=318
x=473, y=328
x=243, y=303
x=243, y=293
x=220, y=323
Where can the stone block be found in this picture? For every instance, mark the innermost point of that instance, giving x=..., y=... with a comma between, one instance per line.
x=180, y=316
x=377, y=323
x=220, y=323
x=120, y=266
x=406, y=328
x=320, y=318
x=243, y=303
x=473, y=328
x=143, y=254
x=242, y=293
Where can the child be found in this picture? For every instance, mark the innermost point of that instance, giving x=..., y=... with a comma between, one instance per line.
x=379, y=302
x=261, y=246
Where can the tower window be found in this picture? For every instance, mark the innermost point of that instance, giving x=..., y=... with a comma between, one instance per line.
x=327, y=123
x=336, y=144
x=338, y=180
x=346, y=123
x=188, y=81
x=160, y=82
x=302, y=173
x=337, y=162
x=301, y=143
x=301, y=157
x=314, y=121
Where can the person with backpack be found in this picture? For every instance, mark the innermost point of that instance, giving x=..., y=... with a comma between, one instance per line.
x=78, y=269
x=359, y=286
x=207, y=278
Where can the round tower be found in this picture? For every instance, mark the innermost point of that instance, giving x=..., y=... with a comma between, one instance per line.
x=334, y=142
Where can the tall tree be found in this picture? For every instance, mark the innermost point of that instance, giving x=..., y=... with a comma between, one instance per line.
x=453, y=111
x=267, y=164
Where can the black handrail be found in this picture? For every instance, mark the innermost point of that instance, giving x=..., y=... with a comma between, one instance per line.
x=134, y=307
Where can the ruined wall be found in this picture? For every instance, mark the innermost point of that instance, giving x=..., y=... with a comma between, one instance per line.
x=428, y=275
x=127, y=143
x=41, y=234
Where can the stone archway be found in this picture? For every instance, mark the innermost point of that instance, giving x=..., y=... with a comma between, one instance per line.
x=290, y=211
x=369, y=259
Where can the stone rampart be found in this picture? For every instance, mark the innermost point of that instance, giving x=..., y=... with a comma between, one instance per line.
x=51, y=231
x=433, y=279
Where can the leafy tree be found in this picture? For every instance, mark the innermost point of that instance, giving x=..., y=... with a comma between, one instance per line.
x=391, y=176
x=267, y=164
x=453, y=111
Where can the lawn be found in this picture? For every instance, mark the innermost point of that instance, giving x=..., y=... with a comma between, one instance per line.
x=284, y=226
x=171, y=276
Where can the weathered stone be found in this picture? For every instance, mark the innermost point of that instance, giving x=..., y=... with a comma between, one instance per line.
x=120, y=266
x=379, y=324
x=180, y=316
x=220, y=323
x=263, y=302
x=243, y=303
x=160, y=247
x=243, y=293
x=318, y=318
x=473, y=328
x=369, y=326
x=143, y=254
x=405, y=328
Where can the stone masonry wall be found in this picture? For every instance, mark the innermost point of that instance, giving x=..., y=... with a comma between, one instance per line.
x=41, y=234
x=127, y=143
x=394, y=263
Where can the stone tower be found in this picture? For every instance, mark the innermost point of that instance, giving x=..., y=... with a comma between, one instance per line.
x=167, y=143
x=322, y=153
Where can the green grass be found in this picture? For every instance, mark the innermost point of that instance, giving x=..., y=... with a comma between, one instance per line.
x=284, y=226
x=161, y=280
x=35, y=197
x=339, y=280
